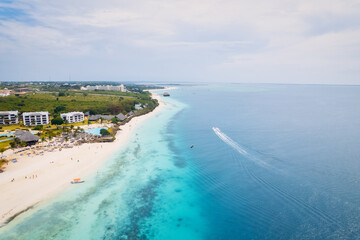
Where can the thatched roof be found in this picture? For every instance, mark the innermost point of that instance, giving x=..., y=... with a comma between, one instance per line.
x=28, y=137
x=121, y=117
x=97, y=117
x=19, y=132
x=94, y=117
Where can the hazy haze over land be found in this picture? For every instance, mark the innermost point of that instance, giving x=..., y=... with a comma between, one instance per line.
x=233, y=41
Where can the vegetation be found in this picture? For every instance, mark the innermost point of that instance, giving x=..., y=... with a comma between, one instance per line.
x=6, y=144
x=96, y=104
x=2, y=162
x=38, y=127
x=57, y=121
x=104, y=132
x=62, y=97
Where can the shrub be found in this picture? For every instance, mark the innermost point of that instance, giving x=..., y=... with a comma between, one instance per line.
x=38, y=127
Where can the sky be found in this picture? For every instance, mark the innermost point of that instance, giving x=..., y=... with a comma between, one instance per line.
x=250, y=41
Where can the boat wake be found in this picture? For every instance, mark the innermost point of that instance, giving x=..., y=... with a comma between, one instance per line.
x=239, y=148
x=286, y=196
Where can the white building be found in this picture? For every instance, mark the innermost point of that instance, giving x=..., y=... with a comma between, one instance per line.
x=72, y=117
x=4, y=94
x=35, y=118
x=120, y=88
x=9, y=117
x=138, y=106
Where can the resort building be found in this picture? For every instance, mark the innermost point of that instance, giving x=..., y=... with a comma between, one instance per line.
x=5, y=92
x=18, y=133
x=35, y=118
x=98, y=117
x=28, y=138
x=131, y=113
x=9, y=117
x=22, y=91
x=121, y=117
x=72, y=117
x=120, y=88
x=138, y=106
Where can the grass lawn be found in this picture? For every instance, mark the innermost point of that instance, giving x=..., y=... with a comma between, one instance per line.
x=5, y=144
x=11, y=127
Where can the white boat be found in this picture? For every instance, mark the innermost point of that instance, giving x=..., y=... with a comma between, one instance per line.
x=77, y=180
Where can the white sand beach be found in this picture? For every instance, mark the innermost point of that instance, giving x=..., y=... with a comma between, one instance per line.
x=41, y=177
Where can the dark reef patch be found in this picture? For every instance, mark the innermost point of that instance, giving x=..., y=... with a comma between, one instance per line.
x=141, y=202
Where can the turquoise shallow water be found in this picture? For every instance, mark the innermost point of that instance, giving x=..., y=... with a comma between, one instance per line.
x=268, y=162
x=140, y=193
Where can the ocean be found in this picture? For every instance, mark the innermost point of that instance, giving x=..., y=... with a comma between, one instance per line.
x=268, y=161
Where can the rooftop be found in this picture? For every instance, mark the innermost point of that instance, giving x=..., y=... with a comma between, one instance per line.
x=8, y=112
x=35, y=113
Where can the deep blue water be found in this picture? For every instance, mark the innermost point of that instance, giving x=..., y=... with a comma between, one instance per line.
x=268, y=162
x=288, y=164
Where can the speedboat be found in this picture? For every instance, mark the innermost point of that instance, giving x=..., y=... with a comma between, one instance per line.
x=77, y=180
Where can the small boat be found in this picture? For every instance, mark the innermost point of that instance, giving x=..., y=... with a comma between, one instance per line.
x=77, y=180
x=192, y=146
x=166, y=94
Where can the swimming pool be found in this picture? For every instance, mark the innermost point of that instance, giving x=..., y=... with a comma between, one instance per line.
x=6, y=134
x=95, y=131
x=8, y=139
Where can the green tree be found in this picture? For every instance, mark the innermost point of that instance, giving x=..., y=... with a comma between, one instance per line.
x=115, y=120
x=104, y=132
x=13, y=144
x=59, y=109
x=57, y=121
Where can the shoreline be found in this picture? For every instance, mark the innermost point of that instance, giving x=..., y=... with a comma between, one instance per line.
x=38, y=178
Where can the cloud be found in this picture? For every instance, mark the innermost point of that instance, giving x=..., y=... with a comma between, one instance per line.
x=214, y=36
